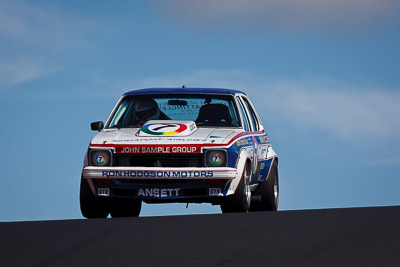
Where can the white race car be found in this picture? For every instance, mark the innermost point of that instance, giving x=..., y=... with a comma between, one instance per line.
x=179, y=145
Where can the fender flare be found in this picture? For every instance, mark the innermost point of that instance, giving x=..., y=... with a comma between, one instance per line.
x=243, y=159
x=271, y=154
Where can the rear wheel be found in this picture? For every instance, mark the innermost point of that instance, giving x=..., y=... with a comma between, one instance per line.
x=92, y=206
x=268, y=192
x=121, y=207
x=240, y=200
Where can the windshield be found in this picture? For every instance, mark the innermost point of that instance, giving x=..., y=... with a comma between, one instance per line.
x=205, y=110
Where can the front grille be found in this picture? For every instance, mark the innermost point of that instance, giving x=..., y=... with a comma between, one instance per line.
x=158, y=160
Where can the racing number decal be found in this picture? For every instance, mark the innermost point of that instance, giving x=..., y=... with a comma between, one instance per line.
x=100, y=159
x=164, y=128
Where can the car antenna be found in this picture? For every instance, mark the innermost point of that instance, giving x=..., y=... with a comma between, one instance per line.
x=183, y=86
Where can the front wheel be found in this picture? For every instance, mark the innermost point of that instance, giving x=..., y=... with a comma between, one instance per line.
x=92, y=206
x=240, y=200
x=268, y=192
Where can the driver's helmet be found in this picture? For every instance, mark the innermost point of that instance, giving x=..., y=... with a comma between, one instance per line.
x=146, y=109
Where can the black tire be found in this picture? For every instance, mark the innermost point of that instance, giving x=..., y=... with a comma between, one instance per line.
x=91, y=206
x=268, y=192
x=239, y=201
x=121, y=207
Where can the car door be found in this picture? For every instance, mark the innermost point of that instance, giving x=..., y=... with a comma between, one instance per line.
x=255, y=129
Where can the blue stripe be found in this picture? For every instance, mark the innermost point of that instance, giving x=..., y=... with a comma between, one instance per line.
x=183, y=91
x=267, y=169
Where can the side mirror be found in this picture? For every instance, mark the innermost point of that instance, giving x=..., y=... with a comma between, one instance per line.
x=97, y=126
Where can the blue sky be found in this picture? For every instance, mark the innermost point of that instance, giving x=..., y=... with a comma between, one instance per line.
x=323, y=75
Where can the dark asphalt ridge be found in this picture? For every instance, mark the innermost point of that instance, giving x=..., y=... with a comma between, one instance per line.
x=333, y=237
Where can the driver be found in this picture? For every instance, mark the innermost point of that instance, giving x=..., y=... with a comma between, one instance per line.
x=147, y=109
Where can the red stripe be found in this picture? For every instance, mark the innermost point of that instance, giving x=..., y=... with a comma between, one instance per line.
x=169, y=148
x=244, y=134
x=143, y=149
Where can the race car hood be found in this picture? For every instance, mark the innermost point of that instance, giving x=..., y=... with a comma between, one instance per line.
x=173, y=132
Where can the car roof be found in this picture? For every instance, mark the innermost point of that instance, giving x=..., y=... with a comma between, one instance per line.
x=184, y=91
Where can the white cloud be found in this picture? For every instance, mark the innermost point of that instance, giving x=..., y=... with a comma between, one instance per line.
x=347, y=112
x=350, y=113
x=35, y=40
x=283, y=14
x=19, y=71
x=25, y=23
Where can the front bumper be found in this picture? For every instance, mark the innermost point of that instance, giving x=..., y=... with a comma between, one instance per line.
x=157, y=173
x=160, y=185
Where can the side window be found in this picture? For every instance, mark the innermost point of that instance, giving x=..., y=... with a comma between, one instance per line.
x=123, y=116
x=252, y=114
x=244, y=116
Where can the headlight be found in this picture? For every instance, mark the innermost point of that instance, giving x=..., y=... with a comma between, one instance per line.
x=100, y=157
x=216, y=158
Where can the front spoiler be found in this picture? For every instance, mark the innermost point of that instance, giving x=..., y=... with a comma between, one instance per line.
x=92, y=172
